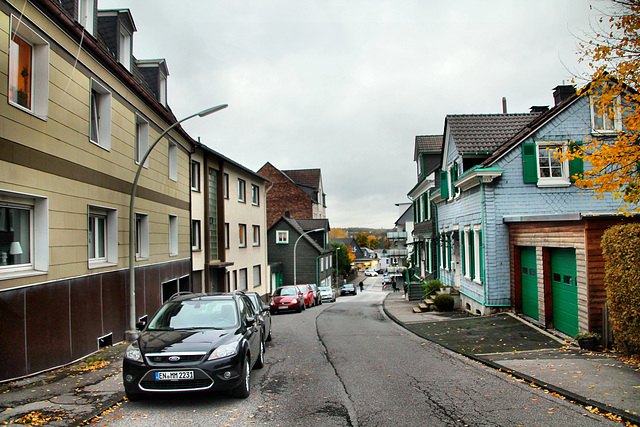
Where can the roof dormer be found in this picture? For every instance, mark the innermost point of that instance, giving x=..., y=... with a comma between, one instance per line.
x=116, y=28
x=155, y=73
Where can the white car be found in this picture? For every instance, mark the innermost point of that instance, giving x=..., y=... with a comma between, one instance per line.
x=327, y=293
x=371, y=273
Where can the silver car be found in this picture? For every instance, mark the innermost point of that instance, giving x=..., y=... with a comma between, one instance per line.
x=327, y=293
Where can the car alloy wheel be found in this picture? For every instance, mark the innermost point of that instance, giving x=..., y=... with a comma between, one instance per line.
x=260, y=362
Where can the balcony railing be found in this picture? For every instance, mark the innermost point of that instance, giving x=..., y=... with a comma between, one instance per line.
x=396, y=235
x=398, y=252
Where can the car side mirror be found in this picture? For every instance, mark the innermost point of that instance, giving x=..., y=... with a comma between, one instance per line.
x=250, y=320
x=140, y=325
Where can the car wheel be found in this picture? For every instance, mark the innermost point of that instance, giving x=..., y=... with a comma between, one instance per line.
x=260, y=362
x=269, y=336
x=299, y=309
x=243, y=390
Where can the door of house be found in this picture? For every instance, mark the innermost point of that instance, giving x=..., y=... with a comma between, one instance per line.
x=529, y=282
x=564, y=290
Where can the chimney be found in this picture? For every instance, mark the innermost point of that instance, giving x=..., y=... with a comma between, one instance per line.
x=563, y=92
x=287, y=214
x=539, y=109
x=504, y=105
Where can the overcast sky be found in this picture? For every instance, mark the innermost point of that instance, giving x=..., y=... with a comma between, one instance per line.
x=346, y=85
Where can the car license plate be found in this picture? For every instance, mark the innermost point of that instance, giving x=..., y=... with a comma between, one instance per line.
x=174, y=375
x=282, y=307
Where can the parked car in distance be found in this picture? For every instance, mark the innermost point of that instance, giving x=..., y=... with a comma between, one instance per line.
x=386, y=280
x=327, y=293
x=348, y=288
x=316, y=294
x=195, y=342
x=370, y=273
x=286, y=298
x=264, y=312
x=307, y=294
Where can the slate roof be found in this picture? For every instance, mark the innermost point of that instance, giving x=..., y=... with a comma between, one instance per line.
x=485, y=133
x=306, y=177
x=312, y=224
x=294, y=223
x=427, y=144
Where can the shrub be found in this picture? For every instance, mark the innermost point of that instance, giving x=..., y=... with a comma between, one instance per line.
x=621, y=249
x=444, y=302
x=432, y=286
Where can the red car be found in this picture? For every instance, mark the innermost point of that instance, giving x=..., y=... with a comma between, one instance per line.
x=307, y=293
x=286, y=298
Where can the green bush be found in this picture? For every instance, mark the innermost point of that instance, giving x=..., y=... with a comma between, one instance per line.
x=444, y=302
x=621, y=249
x=432, y=286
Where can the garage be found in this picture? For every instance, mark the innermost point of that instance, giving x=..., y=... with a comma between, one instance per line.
x=564, y=290
x=529, y=282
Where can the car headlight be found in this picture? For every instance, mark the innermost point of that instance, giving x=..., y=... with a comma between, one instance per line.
x=294, y=301
x=226, y=350
x=133, y=353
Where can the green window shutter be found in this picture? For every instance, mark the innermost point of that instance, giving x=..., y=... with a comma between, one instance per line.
x=462, y=243
x=481, y=255
x=576, y=166
x=444, y=185
x=454, y=177
x=472, y=259
x=529, y=163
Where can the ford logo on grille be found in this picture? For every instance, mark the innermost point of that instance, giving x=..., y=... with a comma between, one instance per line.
x=174, y=358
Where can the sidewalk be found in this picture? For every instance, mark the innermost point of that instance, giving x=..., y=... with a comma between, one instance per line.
x=527, y=352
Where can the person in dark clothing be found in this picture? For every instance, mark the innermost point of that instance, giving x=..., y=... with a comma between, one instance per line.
x=361, y=286
x=393, y=285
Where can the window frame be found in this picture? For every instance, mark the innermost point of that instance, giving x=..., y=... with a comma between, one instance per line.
x=100, y=112
x=242, y=190
x=257, y=272
x=195, y=176
x=225, y=185
x=110, y=257
x=282, y=237
x=86, y=13
x=124, y=47
x=564, y=180
x=255, y=195
x=173, y=236
x=227, y=240
x=172, y=160
x=142, y=236
x=141, y=140
x=242, y=235
x=196, y=235
x=39, y=82
x=256, y=235
x=616, y=121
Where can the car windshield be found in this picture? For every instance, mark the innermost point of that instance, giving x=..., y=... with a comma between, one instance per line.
x=347, y=285
x=325, y=288
x=303, y=288
x=195, y=314
x=285, y=292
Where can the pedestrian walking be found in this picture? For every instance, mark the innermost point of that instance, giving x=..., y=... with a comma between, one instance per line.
x=393, y=285
x=361, y=286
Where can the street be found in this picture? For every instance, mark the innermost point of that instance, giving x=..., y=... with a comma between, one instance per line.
x=347, y=364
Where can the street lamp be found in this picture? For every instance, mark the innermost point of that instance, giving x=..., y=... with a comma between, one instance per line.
x=132, y=220
x=295, y=247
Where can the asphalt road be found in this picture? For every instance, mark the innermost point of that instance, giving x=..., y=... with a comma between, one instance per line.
x=347, y=364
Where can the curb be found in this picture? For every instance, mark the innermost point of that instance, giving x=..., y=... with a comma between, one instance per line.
x=572, y=397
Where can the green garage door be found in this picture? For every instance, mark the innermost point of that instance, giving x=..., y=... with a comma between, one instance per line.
x=564, y=290
x=529, y=282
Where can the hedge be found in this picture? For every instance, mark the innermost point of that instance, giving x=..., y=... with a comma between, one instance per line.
x=621, y=249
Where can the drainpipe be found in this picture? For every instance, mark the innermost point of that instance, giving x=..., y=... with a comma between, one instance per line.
x=484, y=241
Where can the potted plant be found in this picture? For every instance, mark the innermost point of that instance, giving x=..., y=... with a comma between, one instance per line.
x=588, y=340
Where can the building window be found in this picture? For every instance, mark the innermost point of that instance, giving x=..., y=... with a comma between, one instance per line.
x=124, y=48
x=173, y=161
x=255, y=195
x=242, y=235
x=257, y=276
x=142, y=140
x=103, y=237
x=28, y=70
x=225, y=186
x=605, y=118
x=256, y=235
x=551, y=171
x=195, y=235
x=86, y=14
x=213, y=216
x=195, y=176
x=282, y=237
x=226, y=235
x=162, y=92
x=142, y=236
x=242, y=280
x=100, y=112
x=242, y=190
x=24, y=234
x=173, y=235
x=478, y=258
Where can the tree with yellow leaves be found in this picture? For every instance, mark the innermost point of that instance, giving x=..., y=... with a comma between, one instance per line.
x=613, y=57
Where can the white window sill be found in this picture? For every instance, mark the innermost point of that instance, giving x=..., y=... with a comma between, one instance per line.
x=100, y=264
x=478, y=282
x=605, y=132
x=17, y=274
x=26, y=110
x=542, y=182
x=142, y=258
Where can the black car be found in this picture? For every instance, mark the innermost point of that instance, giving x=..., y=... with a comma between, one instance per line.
x=348, y=288
x=196, y=342
x=265, y=314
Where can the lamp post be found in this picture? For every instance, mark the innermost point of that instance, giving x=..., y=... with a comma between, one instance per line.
x=132, y=219
x=295, y=247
